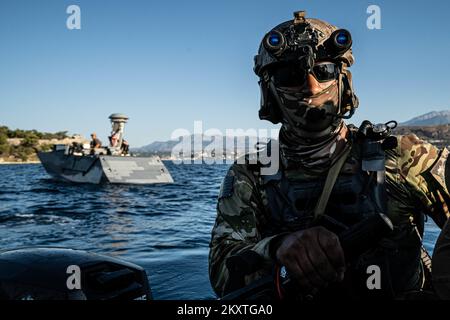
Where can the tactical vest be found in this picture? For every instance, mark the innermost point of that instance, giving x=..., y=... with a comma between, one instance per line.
x=291, y=197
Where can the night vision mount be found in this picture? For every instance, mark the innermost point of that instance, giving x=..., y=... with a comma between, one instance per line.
x=300, y=39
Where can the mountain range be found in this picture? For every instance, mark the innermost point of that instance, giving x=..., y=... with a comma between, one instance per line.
x=433, y=118
x=228, y=144
x=432, y=125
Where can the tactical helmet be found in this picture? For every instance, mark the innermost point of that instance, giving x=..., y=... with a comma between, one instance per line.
x=304, y=41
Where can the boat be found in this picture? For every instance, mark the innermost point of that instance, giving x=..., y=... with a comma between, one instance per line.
x=80, y=163
x=52, y=273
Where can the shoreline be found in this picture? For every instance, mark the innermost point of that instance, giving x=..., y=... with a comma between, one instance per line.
x=17, y=162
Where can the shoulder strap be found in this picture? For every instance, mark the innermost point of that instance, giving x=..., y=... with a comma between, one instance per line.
x=332, y=175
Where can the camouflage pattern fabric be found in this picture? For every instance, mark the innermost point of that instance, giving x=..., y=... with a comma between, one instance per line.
x=415, y=179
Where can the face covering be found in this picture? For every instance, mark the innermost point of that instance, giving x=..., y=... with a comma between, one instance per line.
x=316, y=156
x=311, y=136
x=310, y=116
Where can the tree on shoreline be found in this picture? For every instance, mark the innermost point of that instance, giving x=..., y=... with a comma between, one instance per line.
x=29, y=144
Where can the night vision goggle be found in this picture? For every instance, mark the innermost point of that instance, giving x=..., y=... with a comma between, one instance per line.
x=278, y=43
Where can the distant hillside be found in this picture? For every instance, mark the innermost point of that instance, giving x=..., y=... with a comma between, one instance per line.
x=433, y=118
x=438, y=135
x=157, y=147
x=21, y=146
x=228, y=144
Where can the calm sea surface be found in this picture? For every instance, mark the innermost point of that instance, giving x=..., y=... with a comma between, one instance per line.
x=163, y=228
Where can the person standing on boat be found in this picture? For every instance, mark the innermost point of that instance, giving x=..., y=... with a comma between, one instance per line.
x=327, y=169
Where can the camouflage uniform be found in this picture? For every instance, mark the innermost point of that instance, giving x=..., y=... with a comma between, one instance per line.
x=416, y=186
x=254, y=211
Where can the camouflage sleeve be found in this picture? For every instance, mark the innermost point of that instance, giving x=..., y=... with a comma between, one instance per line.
x=237, y=227
x=420, y=168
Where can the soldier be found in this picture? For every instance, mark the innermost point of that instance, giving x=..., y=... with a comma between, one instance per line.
x=95, y=142
x=328, y=169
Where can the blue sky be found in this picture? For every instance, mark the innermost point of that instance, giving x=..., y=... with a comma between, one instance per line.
x=169, y=63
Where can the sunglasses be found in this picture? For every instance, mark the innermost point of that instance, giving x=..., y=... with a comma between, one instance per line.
x=291, y=75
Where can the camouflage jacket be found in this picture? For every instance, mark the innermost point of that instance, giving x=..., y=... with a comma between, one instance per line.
x=415, y=180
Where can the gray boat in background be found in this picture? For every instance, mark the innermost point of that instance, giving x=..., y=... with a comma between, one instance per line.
x=113, y=164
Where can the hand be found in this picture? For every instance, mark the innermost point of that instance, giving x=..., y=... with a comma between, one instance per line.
x=314, y=257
